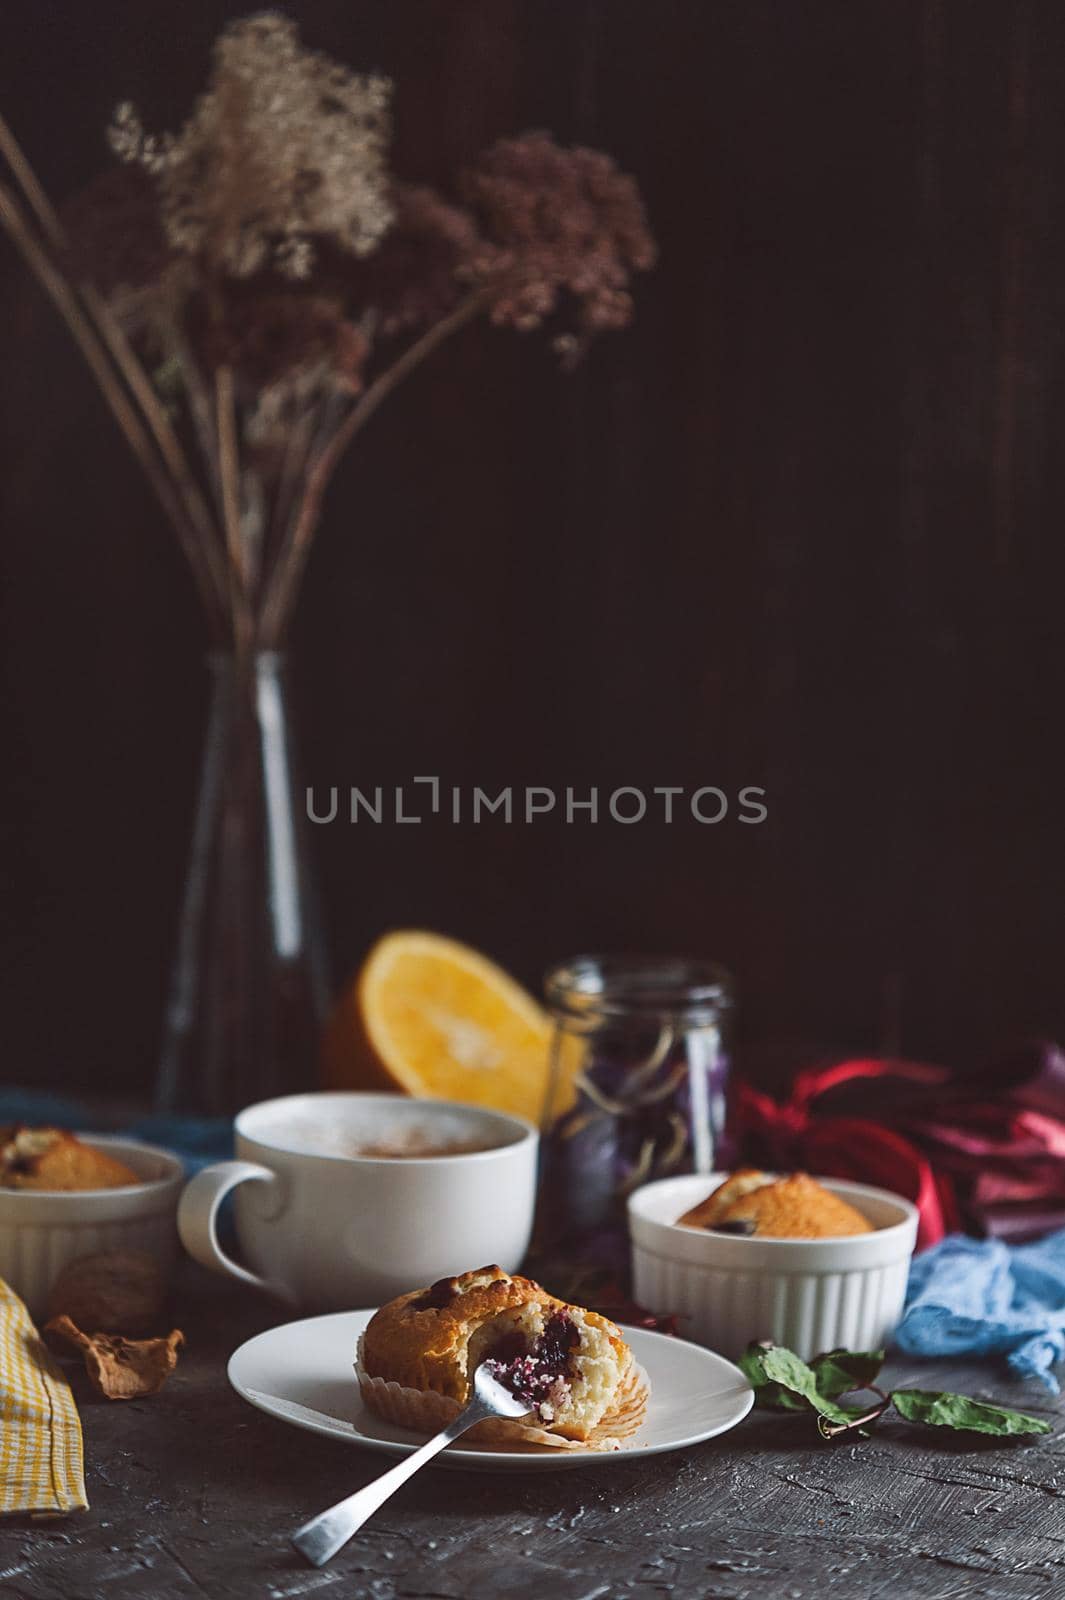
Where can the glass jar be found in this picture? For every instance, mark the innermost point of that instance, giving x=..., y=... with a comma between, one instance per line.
x=637, y=1091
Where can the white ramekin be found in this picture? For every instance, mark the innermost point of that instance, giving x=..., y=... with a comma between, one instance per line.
x=42, y=1229
x=808, y=1294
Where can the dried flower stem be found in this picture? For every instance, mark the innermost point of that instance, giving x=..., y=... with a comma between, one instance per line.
x=29, y=183
x=229, y=474
x=299, y=445
x=162, y=430
x=125, y=414
x=284, y=584
x=107, y=328
x=200, y=408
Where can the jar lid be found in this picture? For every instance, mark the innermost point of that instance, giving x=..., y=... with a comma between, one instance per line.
x=590, y=989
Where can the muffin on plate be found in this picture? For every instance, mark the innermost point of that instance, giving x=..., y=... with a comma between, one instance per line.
x=53, y=1159
x=791, y=1207
x=417, y=1355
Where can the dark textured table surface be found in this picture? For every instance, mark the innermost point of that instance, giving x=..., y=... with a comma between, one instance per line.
x=194, y=1493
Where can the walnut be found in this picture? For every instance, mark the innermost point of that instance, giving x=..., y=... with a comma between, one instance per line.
x=120, y=1291
x=121, y=1369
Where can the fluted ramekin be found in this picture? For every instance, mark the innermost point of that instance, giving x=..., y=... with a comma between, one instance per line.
x=808, y=1294
x=42, y=1229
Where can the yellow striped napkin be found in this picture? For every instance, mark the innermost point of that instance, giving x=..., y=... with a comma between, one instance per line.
x=41, y=1466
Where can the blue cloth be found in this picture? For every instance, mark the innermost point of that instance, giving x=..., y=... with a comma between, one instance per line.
x=197, y=1140
x=980, y=1297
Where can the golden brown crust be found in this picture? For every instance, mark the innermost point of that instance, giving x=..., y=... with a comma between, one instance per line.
x=709, y=1212
x=792, y=1207
x=797, y=1207
x=53, y=1159
x=419, y=1340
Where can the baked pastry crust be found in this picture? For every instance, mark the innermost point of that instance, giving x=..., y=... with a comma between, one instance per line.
x=52, y=1158
x=792, y=1207
x=417, y=1354
x=709, y=1212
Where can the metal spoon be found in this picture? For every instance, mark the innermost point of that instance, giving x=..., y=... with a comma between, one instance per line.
x=321, y=1538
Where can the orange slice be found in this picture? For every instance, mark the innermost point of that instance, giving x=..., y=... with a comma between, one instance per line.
x=433, y=1017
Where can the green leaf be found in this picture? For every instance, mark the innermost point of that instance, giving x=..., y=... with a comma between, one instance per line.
x=943, y=1410
x=840, y=1371
x=769, y=1396
x=780, y=1379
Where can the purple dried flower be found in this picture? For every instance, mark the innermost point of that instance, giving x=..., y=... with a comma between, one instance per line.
x=267, y=330
x=555, y=223
x=413, y=277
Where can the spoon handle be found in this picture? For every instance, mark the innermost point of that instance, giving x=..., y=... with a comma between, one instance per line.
x=321, y=1538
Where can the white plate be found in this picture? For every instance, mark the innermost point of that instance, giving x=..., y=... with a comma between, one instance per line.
x=303, y=1373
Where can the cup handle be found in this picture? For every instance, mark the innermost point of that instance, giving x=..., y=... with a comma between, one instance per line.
x=197, y=1219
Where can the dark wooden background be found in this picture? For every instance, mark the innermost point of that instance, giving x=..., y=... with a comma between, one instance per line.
x=801, y=527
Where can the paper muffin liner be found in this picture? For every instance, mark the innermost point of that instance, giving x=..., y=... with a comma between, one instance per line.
x=630, y=1405
x=425, y=1411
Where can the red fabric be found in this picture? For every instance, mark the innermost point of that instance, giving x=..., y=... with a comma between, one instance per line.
x=985, y=1151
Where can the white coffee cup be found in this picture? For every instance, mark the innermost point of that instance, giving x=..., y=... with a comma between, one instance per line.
x=329, y=1228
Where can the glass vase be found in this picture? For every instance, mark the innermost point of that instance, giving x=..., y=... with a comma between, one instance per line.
x=248, y=987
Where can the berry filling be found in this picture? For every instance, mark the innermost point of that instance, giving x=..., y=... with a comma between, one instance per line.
x=437, y=1296
x=540, y=1374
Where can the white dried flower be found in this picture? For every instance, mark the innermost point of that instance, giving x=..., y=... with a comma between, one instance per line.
x=294, y=256
x=284, y=145
x=129, y=141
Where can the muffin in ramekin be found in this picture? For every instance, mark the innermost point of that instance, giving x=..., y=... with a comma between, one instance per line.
x=41, y=1230
x=809, y=1294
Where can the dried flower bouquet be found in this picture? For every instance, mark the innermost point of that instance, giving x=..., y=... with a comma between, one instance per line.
x=249, y=290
